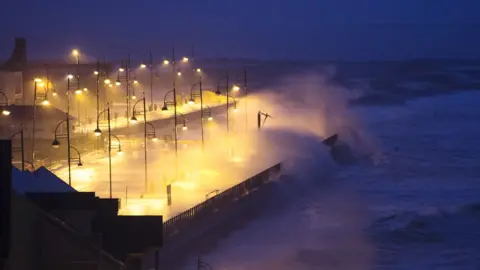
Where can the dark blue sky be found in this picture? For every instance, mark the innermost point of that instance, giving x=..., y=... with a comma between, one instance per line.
x=292, y=29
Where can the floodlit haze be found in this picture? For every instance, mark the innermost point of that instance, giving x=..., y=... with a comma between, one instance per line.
x=268, y=29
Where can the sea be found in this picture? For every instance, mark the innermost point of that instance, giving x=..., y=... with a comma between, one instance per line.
x=414, y=205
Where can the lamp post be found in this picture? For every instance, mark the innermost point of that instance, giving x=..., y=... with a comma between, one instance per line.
x=192, y=100
x=150, y=68
x=218, y=92
x=79, y=158
x=37, y=82
x=56, y=143
x=4, y=104
x=134, y=120
x=21, y=145
x=124, y=73
x=97, y=133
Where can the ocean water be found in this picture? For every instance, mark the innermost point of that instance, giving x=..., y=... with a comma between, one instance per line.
x=416, y=207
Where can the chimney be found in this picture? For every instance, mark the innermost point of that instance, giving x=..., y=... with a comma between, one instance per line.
x=18, y=59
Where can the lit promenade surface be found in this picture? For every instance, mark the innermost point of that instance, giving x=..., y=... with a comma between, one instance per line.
x=223, y=164
x=121, y=120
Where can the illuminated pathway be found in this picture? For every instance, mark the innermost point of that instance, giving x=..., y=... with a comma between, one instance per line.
x=222, y=166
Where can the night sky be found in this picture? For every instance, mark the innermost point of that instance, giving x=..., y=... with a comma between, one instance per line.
x=266, y=29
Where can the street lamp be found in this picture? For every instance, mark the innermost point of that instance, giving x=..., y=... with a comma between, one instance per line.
x=79, y=158
x=45, y=102
x=125, y=73
x=4, y=104
x=21, y=148
x=192, y=100
x=134, y=119
x=218, y=92
x=97, y=133
x=168, y=103
x=56, y=143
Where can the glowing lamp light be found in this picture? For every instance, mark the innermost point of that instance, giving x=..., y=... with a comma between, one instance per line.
x=107, y=81
x=75, y=52
x=134, y=97
x=78, y=91
x=70, y=76
x=110, y=85
x=135, y=82
x=95, y=72
x=54, y=94
x=199, y=70
x=191, y=101
x=154, y=139
x=85, y=89
x=6, y=112
x=185, y=59
x=236, y=88
x=38, y=80
x=166, y=62
x=179, y=73
x=121, y=69
x=55, y=143
x=118, y=82
x=184, y=127
x=41, y=84
x=235, y=109
x=143, y=66
x=210, y=118
x=133, y=120
x=45, y=102
x=120, y=152
x=97, y=132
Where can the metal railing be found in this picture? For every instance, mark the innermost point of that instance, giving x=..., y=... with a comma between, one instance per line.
x=187, y=218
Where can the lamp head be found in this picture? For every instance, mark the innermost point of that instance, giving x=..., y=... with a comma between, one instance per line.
x=95, y=72
x=165, y=108
x=154, y=139
x=55, y=143
x=5, y=112
x=120, y=152
x=80, y=164
x=210, y=118
x=236, y=88
x=133, y=120
x=143, y=66
x=107, y=81
x=118, y=82
x=191, y=101
x=45, y=102
x=218, y=93
x=166, y=62
x=54, y=94
x=184, y=127
x=78, y=91
x=121, y=69
x=97, y=132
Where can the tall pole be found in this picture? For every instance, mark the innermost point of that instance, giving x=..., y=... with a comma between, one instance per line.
x=228, y=126
x=145, y=139
x=151, y=82
x=34, y=117
x=175, y=111
x=201, y=113
x=127, y=70
x=68, y=131
x=68, y=153
x=98, y=86
x=174, y=99
x=245, y=87
x=22, y=146
x=109, y=151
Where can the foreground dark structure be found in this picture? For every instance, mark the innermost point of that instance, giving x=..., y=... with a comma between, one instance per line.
x=77, y=230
